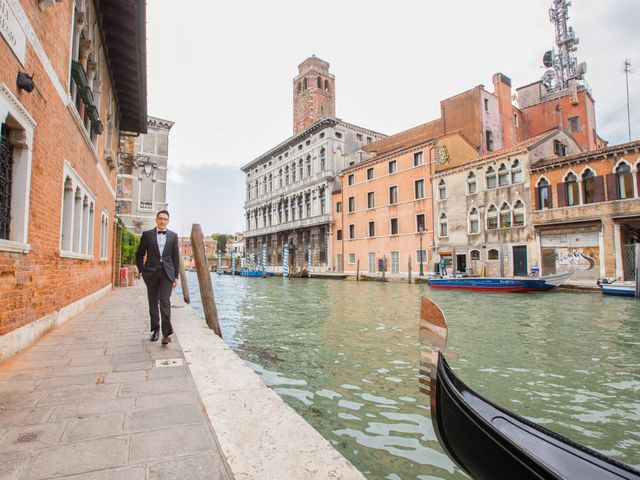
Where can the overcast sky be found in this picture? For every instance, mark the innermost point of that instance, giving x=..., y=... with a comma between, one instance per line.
x=223, y=72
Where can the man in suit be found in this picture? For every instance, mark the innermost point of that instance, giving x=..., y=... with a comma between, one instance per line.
x=160, y=272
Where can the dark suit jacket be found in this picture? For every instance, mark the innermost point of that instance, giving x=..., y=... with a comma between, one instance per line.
x=170, y=260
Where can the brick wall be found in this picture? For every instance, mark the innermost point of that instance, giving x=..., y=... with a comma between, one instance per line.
x=37, y=283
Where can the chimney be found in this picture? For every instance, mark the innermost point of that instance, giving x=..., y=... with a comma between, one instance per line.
x=502, y=90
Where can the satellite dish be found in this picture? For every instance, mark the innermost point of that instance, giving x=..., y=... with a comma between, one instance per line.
x=549, y=78
x=547, y=59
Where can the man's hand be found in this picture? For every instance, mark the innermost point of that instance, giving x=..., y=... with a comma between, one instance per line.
x=175, y=283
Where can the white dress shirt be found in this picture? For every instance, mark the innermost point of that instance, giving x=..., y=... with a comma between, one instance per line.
x=162, y=240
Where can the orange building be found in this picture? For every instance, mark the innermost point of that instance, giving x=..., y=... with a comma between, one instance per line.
x=573, y=110
x=383, y=210
x=587, y=212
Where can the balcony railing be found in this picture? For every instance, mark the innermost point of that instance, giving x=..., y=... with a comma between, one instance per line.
x=300, y=223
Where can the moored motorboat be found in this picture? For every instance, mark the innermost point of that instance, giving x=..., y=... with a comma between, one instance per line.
x=626, y=289
x=490, y=442
x=501, y=284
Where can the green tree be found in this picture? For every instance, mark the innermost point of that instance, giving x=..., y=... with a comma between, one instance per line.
x=222, y=239
x=130, y=243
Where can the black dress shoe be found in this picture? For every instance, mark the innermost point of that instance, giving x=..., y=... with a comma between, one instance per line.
x=166, y=340
x=154, y=335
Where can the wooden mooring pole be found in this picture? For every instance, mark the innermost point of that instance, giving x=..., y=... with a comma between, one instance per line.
x=409, y=268
x=204, y=279
x=358, y=270
x=183, y=282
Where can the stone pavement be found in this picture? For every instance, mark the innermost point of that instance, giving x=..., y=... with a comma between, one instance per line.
x=95, y=399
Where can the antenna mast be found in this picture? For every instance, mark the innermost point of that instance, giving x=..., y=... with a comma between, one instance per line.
x=627, y=71
x=564, y=62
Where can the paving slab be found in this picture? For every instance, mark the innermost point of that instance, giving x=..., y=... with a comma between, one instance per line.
x=88, y=401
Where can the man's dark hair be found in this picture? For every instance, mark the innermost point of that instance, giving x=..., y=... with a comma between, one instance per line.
x=166, y=212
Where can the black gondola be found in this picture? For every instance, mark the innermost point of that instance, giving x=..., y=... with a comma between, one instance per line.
x=488, y=441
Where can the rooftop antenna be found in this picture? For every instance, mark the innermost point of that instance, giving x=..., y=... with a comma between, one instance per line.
x=627, y=70
x=563, y=60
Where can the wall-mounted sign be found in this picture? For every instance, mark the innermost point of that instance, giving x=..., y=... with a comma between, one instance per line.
x=12, y=31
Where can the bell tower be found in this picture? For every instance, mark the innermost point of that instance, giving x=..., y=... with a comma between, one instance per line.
x=314, y=93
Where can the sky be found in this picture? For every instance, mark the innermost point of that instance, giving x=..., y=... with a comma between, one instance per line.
x=223, y=72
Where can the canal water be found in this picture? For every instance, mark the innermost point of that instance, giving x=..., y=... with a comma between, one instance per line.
x=344, y=355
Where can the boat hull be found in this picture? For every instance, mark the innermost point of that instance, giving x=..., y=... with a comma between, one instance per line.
x=620, y=290
x=492, y=443
x=498, y=284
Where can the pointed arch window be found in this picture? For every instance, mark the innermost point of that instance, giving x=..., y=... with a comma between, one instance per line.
x=544, y=194
x=308, y=165
x=442, y=190
x=472, y=185
x=518, y=214
x=571, y=187
x=516, y=172
x=293, y=173
x=624, y=181
x=327, y=89
x=503, y=175
x=444, y=225
x=300, y=169
x=491, y=178
x=286, y=176
x=492, y=217
x=280, y=178
x=588, y=186
x=323, y=159
x=474, y=220
x=505, y=216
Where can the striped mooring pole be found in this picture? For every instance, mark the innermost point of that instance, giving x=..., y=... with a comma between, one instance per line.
x=309, y=258
x=264, y=257
x=285, y=262
x=219, y=262
x=233, y=262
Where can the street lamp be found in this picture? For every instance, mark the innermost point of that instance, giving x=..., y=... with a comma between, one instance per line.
x=421, y=231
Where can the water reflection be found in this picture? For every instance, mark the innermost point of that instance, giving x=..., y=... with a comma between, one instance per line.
x=344, y=356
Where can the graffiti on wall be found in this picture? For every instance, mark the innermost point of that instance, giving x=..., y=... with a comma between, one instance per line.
x=578, y=258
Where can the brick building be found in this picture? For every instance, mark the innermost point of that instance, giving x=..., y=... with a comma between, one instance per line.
x=57, y=160
x=186, y=250
x=142, y=176
x=586, y=212
x=289, y=187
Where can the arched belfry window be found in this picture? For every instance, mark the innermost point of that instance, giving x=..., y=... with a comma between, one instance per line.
x=304, y=84
x=299, y=87
x=319, y=82
x=327, y=88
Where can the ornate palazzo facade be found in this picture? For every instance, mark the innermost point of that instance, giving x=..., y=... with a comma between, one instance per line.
x=288, y=193
x=288, y=188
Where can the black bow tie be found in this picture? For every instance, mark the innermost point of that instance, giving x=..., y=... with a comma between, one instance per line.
x=162, y=232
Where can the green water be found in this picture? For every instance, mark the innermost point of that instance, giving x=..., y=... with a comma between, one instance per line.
x=344, y=356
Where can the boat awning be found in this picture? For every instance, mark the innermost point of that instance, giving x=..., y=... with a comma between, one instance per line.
x=123, y=26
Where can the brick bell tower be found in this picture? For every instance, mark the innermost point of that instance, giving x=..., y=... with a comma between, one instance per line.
x=314, y=93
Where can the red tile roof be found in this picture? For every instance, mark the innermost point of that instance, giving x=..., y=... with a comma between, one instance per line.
x=593, y=154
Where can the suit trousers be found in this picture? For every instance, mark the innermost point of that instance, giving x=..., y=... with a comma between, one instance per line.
x=159, y=294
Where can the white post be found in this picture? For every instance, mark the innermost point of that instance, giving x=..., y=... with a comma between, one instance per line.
x=617, y=250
